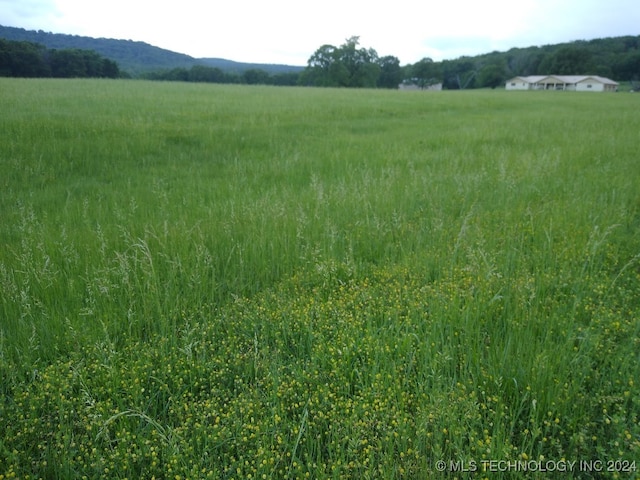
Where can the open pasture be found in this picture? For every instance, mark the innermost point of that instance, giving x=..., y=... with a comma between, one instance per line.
x=204, y=281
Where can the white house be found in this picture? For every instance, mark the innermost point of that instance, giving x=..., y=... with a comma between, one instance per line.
x=579, y=83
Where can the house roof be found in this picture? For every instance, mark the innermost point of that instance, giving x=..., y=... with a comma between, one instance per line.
x=601, y=79
x=531, y=78
x=569, y=79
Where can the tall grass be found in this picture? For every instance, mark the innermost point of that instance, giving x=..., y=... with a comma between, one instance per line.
x=218, y=280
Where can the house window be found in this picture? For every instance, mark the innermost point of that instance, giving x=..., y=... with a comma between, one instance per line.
x=513, y=84
x=589, y=86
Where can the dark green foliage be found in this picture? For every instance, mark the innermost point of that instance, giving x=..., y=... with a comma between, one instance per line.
x=285, y=79
x=229, y=66
x=138, y=58
x=200, y=73
x=68, y=56
x=569, y=60
x=459, y=74
x=344, y=66
x=26, y=59
x=131, y=56
x=78, y=63
x=255, y=76
x=22, y=59
x=347, y=66
x=426, y=72
x=628, y=66
x=390, y=72
x=493, y=73
x=204, y=74
x=617, y=58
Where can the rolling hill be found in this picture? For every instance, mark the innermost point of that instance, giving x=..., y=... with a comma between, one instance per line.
x=132, y=56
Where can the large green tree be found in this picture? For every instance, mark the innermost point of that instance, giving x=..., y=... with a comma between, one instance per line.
x=344, y=66
x=361, y=63
x=391, y=73
x=324, y=68
x=426, y=72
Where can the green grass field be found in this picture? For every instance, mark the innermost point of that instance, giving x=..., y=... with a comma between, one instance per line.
x=204, y=281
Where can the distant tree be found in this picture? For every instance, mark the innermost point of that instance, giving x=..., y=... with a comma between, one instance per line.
x=177, y=75
x=523, y=61
x=459, y=74
x=569, y=60
x=390, y=72
x=201, y=73
x=426, y=72
x=344, y=66
x=68, y=63
x=23, y=59
x=361, y=64
x=197, y=73
x=493, y=73
x=6, y=69
x=628, y=67
x=93, y=64
x=255, y=76
x=110, y=69
x=324, y=68
x=285, y=79
x=491, y=76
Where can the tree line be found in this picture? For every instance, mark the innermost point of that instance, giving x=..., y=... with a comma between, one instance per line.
x=352, y=66
x=617, y=58
x=329, y=66
x=206, y=74
x=28, y=59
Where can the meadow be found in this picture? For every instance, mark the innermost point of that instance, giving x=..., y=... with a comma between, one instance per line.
x=207, y=281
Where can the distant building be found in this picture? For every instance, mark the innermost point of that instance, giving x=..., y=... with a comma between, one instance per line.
x=577, y=83
x=413, y=86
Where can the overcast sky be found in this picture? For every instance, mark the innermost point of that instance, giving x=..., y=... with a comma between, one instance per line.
x=289, y=31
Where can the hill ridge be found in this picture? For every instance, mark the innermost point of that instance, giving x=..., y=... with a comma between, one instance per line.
x=134, y=56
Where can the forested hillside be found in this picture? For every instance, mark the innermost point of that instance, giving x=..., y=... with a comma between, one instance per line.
x=617, y=58
x=132, y=57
